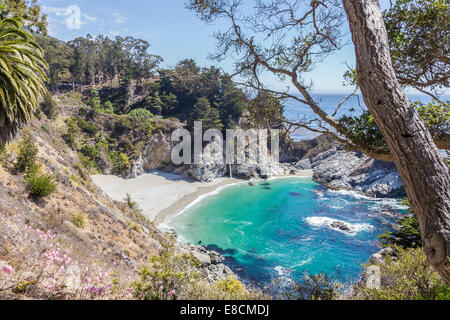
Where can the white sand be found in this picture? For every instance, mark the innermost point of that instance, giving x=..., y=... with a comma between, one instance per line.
x=156, y=191
x=160, y=194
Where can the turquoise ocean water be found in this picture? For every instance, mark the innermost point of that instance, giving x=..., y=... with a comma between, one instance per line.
x=282, y=228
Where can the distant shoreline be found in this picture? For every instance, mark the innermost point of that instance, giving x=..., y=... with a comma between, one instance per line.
x=161, y=195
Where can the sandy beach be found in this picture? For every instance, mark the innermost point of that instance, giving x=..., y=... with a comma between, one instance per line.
x=161, y=194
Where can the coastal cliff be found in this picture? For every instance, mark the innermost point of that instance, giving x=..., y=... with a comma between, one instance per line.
x=332, y=165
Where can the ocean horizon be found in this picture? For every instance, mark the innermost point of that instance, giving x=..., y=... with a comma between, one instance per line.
x=296, y=111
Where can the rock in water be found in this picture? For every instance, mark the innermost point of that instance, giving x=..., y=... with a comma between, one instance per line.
x=340, y=226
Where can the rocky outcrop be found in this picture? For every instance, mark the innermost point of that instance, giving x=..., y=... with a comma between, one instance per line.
x=292, y=151
x=342, y=169
x=211, y=266
x=381, y=255
x=212, y=165
x=137, y=169
x=157, y=153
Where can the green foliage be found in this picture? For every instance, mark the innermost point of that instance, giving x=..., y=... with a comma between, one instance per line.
x=79, y=219
x=181, y=88
x=134, y=226
x=407, y=235
x=40, y=185
x=59, y=58
x=72, y=133
x=45, y=128
x=172, y=277
x=363, y=130
x=232, y=286
x=22, y=70
x=48, y=106
x=107, y=108
x=90, y=151
x=140, y=114
x=131, y=204
x=418, y=37
x=436, y=116
x=23, y=286
x=29, y=11
x=26, y=157
x=166, y=274
x=5, y=153
x=120, y=163
x=94, y=100
x=311, y=287
x=407, y=276
x=264, y=112
x=86, y=126
x=204, y=112
x=128, y=58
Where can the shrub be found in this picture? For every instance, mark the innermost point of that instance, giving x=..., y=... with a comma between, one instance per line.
x=26, y=157
x=135, y=227
x=108, y=108
x=79, y=219
x=232, y=286
x=140, y=114
x=86, y=126
x=45, y=128
x=87, y=162
x=120, y=162
x=90, y=151
x=4, y=154
x=171, y=277
x=48, y=106
x=73, y=131
x=311, y=287
x=407, y=276
x=131, y=204
x=408, y=235
x=94, y=101
x=41, y=185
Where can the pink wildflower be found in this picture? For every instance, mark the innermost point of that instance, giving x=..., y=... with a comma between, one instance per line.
x=8, y=269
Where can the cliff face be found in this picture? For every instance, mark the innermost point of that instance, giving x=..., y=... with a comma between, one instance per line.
x=156, y=155
x=337, y=168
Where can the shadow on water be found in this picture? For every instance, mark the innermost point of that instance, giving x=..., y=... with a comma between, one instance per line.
x=295, y=194
x=252, y=269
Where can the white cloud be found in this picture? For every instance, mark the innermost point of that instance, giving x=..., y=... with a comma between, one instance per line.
x=72, y=16
x=118, y=18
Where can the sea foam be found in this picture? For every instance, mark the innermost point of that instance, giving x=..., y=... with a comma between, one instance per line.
x=328, y=222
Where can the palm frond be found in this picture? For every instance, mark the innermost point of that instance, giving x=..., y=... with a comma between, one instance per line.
x=22, y=76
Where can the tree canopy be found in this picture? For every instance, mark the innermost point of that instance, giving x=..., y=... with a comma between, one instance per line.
x=29, y=11
x=419, y=38
x=88, y=60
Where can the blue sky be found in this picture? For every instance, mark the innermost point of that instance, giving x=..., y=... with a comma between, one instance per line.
x=173, y=31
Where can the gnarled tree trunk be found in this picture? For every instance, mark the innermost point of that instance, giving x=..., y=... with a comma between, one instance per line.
x=423, y=171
